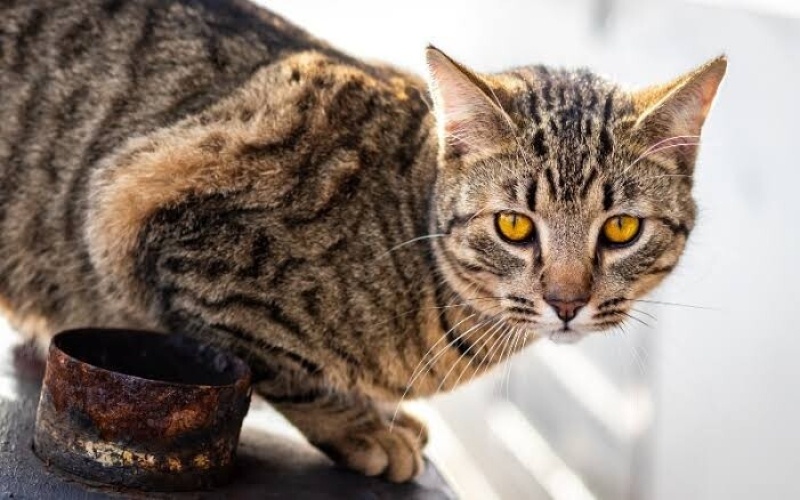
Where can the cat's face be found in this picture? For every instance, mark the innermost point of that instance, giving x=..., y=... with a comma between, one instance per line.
x=563, y=198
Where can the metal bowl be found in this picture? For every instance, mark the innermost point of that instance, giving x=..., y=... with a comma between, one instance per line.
x=141, y=409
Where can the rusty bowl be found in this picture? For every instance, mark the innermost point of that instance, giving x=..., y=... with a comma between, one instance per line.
x=141, y=409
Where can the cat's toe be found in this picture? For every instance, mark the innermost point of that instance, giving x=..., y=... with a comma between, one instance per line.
x=415, y=426
x=394, y=453
x=404, y=451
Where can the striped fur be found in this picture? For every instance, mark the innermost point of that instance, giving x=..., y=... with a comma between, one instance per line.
x=203, y=166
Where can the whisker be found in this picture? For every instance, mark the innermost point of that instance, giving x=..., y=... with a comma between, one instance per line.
x=637, y=358
x=645, y=313
x=662, y=303
x=506, y=344
x=479, y=213
x=652, y=177
x=431, y=308
x=511, y=352
x=412, y=240
x=658, y=150
x=446, y=346
x=410, y=383
x=479, y=325
x=483, y=358
x=492, y=351
x=668, y=139
x=631, y=316
x=418, y=372
x=509, y=339
x=463, y=355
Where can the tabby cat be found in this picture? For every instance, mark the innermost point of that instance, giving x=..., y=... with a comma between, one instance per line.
x=357, y=234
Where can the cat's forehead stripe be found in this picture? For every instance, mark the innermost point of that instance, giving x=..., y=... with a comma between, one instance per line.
x=608, y=196
x=589, y=182
x=551, y=184
x=531, y=195
x=569, y=120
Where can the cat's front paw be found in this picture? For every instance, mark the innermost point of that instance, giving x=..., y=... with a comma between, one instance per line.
x=399, y=418
x=379, y=449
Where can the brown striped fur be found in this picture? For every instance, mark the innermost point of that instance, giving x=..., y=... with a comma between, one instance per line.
x=203, y=166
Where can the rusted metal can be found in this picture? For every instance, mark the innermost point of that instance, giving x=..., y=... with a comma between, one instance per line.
x=141, y=409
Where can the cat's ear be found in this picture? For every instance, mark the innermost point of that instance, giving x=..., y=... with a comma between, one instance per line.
x=468, y=117
x=671, y=116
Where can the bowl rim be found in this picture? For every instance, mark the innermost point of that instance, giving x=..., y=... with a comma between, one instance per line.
x=241, y=372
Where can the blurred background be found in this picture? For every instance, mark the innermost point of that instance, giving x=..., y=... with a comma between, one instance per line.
x=702, y=401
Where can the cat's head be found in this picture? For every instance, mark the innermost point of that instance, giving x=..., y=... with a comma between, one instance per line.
x=563, y=197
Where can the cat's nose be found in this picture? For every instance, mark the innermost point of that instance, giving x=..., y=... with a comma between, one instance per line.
x=566, y=307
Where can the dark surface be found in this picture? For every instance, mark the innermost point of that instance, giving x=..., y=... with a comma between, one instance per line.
x=270, y=464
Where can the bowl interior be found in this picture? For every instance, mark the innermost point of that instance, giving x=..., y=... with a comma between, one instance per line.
x=165, y=358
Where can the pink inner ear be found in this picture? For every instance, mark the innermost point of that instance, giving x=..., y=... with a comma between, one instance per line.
x=689, y=112
x=694, y=106
x=685, y=105
x=468, y=119
x=708, y=92
x=468, y=115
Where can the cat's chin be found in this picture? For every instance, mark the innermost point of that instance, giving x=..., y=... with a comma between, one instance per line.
x=565, y=336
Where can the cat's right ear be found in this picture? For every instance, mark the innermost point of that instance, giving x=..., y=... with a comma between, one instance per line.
x=469, y=120
x=671, y=116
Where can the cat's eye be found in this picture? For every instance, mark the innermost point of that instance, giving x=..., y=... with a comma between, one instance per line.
x=621, y=229
x=514, y=227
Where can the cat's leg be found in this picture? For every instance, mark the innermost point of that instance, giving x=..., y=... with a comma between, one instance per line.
x=30, y=350
x=354, y=431
x=36, y=330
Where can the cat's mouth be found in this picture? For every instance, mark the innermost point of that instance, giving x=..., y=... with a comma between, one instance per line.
x=565, y=333
x=570, y=333
x=560, y=332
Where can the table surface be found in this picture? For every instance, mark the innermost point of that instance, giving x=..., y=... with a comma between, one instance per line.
x=273, y=460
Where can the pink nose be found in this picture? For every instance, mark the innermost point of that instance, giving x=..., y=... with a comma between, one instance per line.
x=566, y=309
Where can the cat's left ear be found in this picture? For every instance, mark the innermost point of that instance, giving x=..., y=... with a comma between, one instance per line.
x=671, y=116
x=469, y=119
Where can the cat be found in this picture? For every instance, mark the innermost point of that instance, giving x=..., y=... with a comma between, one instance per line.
x=359, y=234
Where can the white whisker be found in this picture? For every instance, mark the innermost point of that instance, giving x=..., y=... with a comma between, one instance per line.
x=512, y=351
x=492, y=351
x=658, y=150
x=661, y=303
x=429, y=365
x=483, y=358
x=668, y=139
x=462, y=355
x=412, y=240
x=506, y=344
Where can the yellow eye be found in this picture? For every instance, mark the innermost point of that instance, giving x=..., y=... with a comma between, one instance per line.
x=621, y=229
x=514, y=227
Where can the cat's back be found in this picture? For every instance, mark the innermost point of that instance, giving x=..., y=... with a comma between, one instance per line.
x=80, y=77
x=109, y=69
